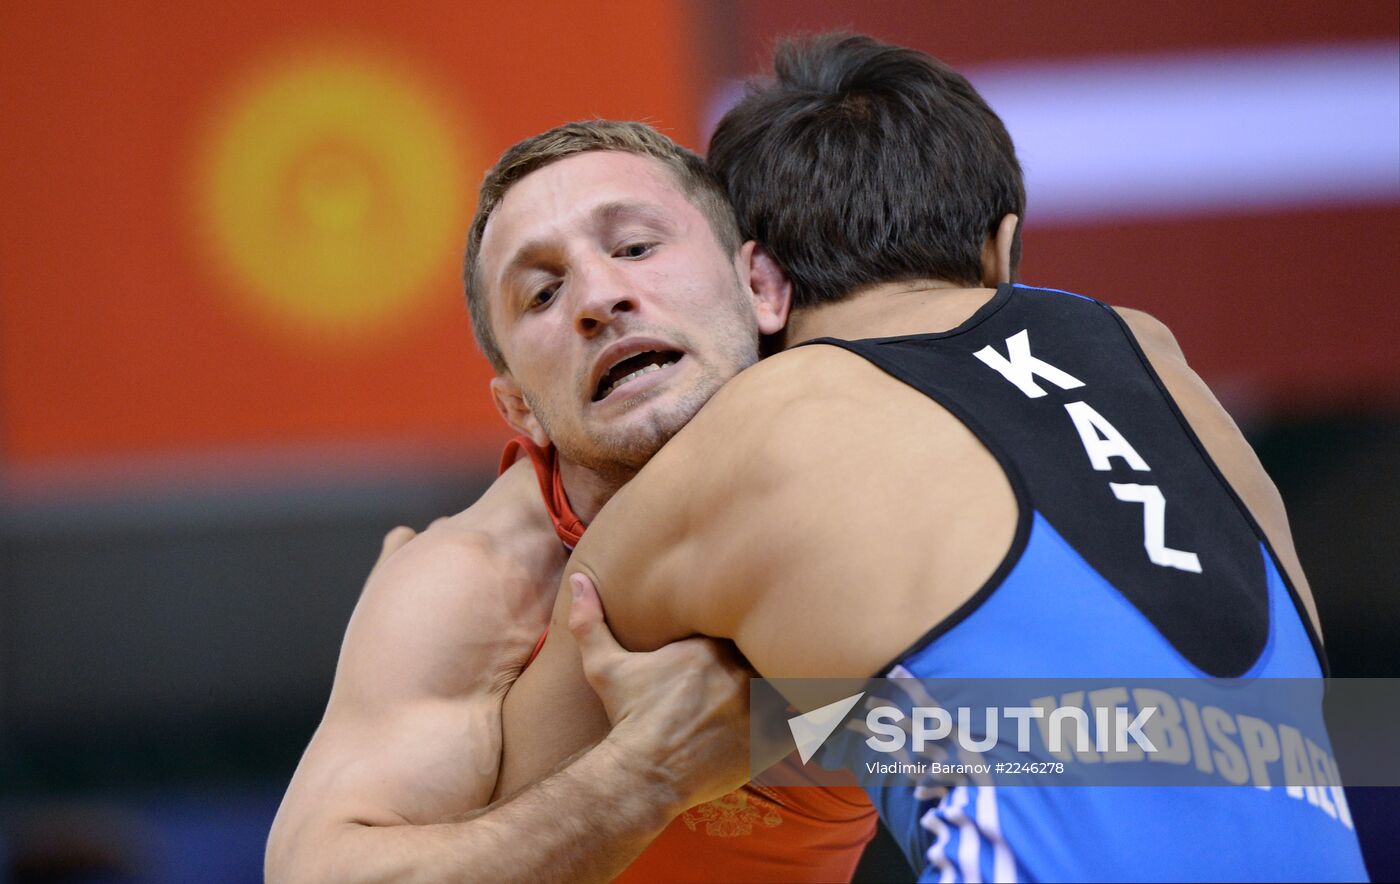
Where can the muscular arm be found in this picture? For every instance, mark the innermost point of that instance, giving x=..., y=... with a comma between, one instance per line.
x=395, y=782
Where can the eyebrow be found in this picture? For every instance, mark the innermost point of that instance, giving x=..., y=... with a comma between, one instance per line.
x=625, y=210
x=604, y=215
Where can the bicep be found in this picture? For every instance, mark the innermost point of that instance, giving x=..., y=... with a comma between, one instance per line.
x=412, y=732
x=550, y=712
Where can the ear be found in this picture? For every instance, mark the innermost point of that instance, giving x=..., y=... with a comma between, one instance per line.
x=511, y=404
x=996, y=253
x=772, y=290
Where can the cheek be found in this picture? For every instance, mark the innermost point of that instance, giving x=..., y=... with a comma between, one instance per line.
x=697, y=296
x=543, y=355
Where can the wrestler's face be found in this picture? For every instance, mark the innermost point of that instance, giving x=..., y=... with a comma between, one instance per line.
x=616, y=308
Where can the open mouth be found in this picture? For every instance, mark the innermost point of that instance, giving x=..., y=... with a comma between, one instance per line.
x=635, y=366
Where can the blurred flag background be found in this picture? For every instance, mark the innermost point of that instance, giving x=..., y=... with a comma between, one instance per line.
x=239, y=230
x=233, y=348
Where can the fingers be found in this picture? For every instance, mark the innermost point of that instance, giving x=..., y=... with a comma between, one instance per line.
x=401, y=535
x=395, y=539
x=595, y=640
x=392, y=541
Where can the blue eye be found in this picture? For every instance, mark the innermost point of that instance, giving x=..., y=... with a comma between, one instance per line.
x=636, y=250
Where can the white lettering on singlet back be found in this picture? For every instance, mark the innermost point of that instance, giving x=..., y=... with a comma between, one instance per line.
x=1154, y=526
x=1101, y=441
x=1021, y=368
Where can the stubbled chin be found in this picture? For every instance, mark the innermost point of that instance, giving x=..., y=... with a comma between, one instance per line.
x=627, y=438
x=634, y=438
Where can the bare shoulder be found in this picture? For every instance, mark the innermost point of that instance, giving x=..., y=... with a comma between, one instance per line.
x=809, y=408
x=727, y=442
x=734, y=451
x=1223, y=440
x=1151, y=333
x=459, y=607
x=790, y=378
x=768, y=404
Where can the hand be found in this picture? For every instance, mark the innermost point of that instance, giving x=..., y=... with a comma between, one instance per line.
x=396, y=538
x=679, y=712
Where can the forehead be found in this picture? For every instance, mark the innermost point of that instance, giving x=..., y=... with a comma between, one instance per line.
x=562, y=199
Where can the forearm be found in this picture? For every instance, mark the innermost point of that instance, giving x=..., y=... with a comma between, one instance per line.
x=585, y=822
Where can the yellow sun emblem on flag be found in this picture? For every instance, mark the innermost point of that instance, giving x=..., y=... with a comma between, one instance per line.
x=331, y=189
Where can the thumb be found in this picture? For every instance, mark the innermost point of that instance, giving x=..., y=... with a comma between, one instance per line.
x=392, y=541
x=397, y=538
x=595, y=640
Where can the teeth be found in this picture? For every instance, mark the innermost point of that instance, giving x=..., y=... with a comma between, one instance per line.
x=647, y=369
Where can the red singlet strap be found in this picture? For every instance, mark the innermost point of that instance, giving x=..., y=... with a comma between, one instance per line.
x=567, y=525
x=536, y=652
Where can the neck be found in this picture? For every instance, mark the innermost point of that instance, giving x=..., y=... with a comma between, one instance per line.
x=887, y=309
x=589, y=490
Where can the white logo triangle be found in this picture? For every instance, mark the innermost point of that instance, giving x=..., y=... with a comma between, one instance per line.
x=811, y=729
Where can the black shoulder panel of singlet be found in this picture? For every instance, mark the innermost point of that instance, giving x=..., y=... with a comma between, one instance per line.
x=1057, y=388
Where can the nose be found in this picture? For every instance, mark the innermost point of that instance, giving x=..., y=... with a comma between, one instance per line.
x=603, y=293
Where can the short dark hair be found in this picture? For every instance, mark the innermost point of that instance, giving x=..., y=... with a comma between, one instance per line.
x=862, y=162
x=696, y=181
